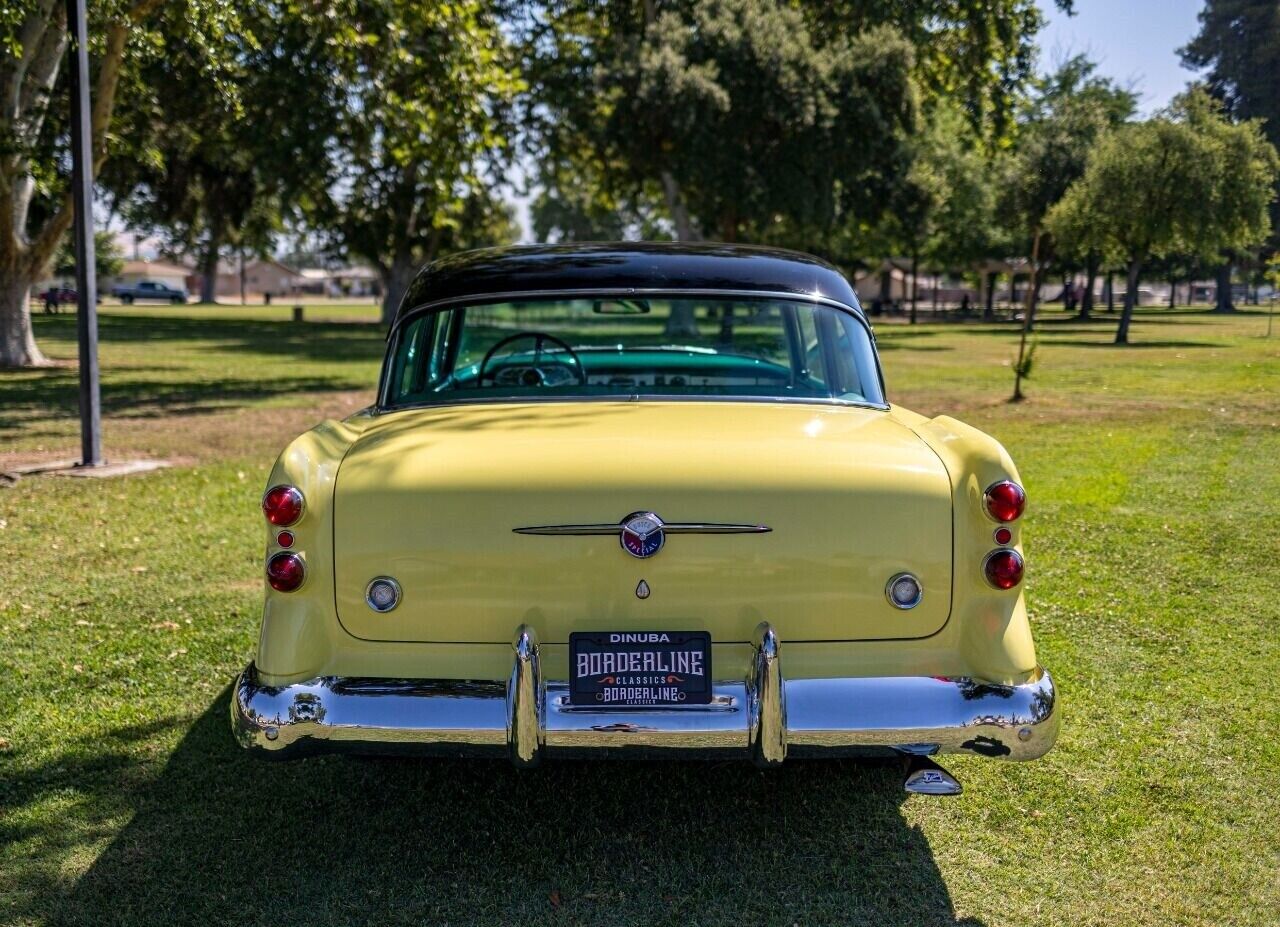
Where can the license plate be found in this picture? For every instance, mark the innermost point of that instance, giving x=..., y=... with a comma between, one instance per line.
x=645, y=669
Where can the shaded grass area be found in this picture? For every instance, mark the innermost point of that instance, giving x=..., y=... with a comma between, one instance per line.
x=126, y=607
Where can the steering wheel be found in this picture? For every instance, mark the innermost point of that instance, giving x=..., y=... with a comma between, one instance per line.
x=532, y=374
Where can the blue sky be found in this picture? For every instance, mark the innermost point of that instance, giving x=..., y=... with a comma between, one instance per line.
x=1134, y=41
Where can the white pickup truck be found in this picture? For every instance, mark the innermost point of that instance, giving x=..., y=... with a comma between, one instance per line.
x=128, y=293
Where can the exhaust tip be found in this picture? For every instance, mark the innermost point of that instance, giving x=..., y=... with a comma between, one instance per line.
x=925, y=777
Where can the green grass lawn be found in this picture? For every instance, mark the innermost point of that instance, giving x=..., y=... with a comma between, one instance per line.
x=126, y=607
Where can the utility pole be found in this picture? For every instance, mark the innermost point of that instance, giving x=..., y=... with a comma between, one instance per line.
x=86, y=263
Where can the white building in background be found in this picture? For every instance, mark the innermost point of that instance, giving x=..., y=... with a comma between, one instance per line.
x=341, y=282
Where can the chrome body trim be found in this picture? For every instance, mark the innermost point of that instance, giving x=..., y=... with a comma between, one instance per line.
x=666, y=527
x=526, y=735
x=765, y=718
x=767, y=722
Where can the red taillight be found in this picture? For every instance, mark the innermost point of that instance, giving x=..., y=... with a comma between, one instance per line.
x=285, y=538
x=282, y=505
x=1003, y=568
x=285, y=572
x=1005, y=500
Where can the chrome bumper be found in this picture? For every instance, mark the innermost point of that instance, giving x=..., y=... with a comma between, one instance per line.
x=764, y=717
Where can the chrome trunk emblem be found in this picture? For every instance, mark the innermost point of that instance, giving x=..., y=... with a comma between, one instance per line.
x=642, y=534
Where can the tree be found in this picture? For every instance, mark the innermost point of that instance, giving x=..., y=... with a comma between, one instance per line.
x=108, y=260
x=1060, y=122
x=974, y=54
x=942, y=209
x=35, y=200
x=422, y=129
x=736, y=113
x=219, y=163
x=1185, y=182
x=1239, y=44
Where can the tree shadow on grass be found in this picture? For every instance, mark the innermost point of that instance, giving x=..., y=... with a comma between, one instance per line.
x=218, y=837
x=325, y=341
x=1080, y=343
x=56, y=395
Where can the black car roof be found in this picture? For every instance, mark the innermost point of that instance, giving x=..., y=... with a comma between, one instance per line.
x=621, y=266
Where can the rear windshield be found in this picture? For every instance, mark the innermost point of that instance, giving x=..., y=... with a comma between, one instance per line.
x=715, y=348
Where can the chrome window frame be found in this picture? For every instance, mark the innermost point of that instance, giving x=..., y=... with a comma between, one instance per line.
x=381, y=406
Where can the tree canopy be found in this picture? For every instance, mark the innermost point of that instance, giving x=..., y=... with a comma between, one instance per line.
x=221, y=162
x=1186, y=182
x=35, y=200
x=423, y=131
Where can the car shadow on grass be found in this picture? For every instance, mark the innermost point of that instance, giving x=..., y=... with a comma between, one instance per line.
x=218, y=837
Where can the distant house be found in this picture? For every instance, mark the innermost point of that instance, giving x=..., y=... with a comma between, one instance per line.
x=255, y=278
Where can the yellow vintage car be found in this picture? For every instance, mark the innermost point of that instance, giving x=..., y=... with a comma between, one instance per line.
x=643, y=499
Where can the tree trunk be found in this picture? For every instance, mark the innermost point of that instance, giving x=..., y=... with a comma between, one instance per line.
x=1111, y=291
x=1130, y=300
x=1090, y=278
x=685, y=230
x=989, y=310
x=1033, y=287
x=17, y=342
x=915, y=285
x=209, y=272
x=1224, y=303
x=395, y=282
x=681, y=323
x=1173, y=291
x=884, y=298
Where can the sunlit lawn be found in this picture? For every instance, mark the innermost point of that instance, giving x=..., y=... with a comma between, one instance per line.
x=127, y=606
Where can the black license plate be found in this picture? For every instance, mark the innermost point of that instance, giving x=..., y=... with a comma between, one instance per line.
x=649, y=669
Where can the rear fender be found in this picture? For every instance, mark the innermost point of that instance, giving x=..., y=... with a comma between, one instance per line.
x=298, y=627
x=994, y=635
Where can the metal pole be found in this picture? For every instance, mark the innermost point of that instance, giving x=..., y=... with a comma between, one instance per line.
x=86, y=275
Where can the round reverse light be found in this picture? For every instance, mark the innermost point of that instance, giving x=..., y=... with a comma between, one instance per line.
x=1003, y=568
x=282, y=505
x=1005, y=500
x=382, y=594
x=904, y=591
x=285, y=572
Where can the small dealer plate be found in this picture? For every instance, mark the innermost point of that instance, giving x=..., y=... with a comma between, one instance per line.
x=645, y=669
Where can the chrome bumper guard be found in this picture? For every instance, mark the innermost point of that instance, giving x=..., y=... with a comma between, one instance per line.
x=765, y=717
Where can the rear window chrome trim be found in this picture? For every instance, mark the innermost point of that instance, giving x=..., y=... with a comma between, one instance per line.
x=376, y=411
x=384, y=385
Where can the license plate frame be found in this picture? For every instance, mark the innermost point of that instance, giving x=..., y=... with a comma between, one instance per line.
x=645, y=669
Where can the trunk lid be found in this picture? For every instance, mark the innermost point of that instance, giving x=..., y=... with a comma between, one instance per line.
x=430, y=497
